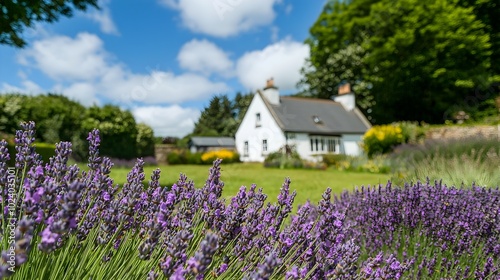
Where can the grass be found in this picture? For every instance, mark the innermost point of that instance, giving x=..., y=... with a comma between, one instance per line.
x=310, y=184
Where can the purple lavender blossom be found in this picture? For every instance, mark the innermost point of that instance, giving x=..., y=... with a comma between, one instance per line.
x=25, y=151
x=202, y=259
x=266, y=269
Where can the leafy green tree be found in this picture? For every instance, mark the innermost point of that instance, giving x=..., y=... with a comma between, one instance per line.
x=488, y=12
x=406, y=59
x=240, y=105
x=12, y=112
x=16, y=15
x=118, y=130
x=222, y=116
x=429, y=55
x=57, y=117
x=217, y=119
x=145, y=140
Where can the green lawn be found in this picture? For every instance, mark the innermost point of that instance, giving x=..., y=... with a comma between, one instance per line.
x=310, y=184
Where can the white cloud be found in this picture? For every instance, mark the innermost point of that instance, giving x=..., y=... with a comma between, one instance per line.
x=223, y=18
x=158, y=87
x=28, y=87
x=169, y=120
x=204, y=57
x=83, y=69
x=282, y=61
x=82, y=92
x=103, y=17
x=65, y=58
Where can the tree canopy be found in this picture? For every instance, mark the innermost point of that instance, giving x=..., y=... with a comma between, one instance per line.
x=61, y=119
x=222, y=116
x=15, y=16
x=405, y=59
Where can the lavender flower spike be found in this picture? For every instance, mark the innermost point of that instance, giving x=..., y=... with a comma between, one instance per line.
x=203, y=257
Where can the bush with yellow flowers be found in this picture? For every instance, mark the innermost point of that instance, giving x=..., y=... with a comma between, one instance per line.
x=226, y=155
x=380, y=139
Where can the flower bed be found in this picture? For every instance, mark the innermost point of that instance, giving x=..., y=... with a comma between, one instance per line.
x=62, y=223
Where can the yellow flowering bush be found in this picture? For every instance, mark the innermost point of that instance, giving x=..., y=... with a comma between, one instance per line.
x=227, y=156
x=380, y=139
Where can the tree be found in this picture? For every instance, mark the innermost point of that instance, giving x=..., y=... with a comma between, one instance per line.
x=488, y=12
x=118, y=130
x=55, y=115
x=145, y=140
x=240, y=105
x=15, y=16
x=407, y=59
x=222, y=116
x=217, y=119
x=12, y=112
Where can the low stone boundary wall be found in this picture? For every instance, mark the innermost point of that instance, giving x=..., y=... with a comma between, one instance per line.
x=459, y=132
x=161, y=152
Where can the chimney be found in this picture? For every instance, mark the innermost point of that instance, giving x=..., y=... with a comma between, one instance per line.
x=346, y=97
x=271, y=92
x=345, y=88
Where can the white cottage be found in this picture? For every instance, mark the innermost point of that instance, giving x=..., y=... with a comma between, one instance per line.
x=313, y=126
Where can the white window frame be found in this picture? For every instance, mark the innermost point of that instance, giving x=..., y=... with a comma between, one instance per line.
x=264, y=146
x=325, y=144
x=245, y=149
x=257, y=120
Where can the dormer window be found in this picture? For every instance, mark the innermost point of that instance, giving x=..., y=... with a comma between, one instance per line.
x=257, y=120
x=317, y=120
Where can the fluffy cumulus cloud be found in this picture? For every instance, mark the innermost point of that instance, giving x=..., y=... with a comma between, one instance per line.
x=204, y=57
x=28, y=87
x=103, y=17
x=84, y=71
x=167, y=120
x=223, y=18
x=65, y=58
x=282, y=61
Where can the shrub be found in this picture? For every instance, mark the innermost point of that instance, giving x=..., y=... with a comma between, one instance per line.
x=187, y=157
x=129, y=163
x=457, y=170
x=45, y=150
x=334, y=160
x=412, y=132
x=478, y=146
x=193, y=158
x=376, y=164
x=226, y=155
x=285, y=157
x=381, y=139
x=314, y=165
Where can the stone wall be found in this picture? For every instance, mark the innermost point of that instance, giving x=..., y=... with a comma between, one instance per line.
x=161, y=152
x=458, y=132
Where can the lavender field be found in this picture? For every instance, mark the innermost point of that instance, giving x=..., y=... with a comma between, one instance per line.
x=59, y=222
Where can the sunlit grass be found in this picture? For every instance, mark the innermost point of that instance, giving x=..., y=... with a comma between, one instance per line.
x=310, y=184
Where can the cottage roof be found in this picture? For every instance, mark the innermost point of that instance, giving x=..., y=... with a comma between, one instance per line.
x=316, y=116
x=212, y=141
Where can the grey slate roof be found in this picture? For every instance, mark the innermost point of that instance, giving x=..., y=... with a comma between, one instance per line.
x=212, y=141
x=296, y=114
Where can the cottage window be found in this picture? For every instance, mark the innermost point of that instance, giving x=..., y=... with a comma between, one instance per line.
x=257, y=119
x=245, y=149
x=264, y=145
x=325, y=144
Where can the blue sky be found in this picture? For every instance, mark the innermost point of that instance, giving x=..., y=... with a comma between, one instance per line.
x=163, y=59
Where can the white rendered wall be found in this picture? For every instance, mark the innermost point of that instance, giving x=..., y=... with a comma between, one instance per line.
x=352, y=144
x=248, y=131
